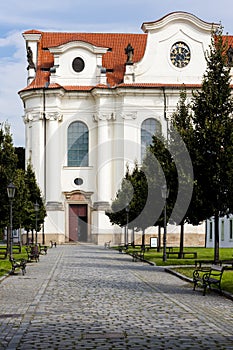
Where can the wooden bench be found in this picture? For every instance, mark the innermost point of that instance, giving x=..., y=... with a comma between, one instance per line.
x=18, y=264
x=182, y=255
x=33, y=253
x=43, y=249
x=199, y=263
x=194, y=254
x=3, y=252
x=208, y=277
x=122, y=248
x=16, y=248
x=138, y=255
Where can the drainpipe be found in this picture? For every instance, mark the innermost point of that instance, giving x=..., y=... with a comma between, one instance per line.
x=45, y=141
x=165, y=108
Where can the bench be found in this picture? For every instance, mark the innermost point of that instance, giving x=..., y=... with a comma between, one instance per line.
x=43, y=249
x=18, y=264
x=122, y=248
x=3, y=252
x=33, y=253
x=198, y=263
x=182, y=255
x=208, y=277
x=107, y=244
x=16, y=248
x=138, y=255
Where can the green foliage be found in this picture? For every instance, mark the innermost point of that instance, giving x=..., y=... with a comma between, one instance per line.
x=27, y=192
x=8, y=163
x=34, y=196
x=132, y=195
x=213, y=141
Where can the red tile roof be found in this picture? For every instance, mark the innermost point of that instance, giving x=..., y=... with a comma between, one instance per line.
x=113, y=60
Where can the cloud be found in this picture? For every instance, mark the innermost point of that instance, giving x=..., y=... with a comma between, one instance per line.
x=13, y=78
x=76, y=15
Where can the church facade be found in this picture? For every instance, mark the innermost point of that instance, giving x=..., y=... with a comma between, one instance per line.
x=92, y=102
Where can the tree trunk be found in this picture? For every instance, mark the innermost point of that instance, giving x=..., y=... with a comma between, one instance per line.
x=143, y=239
x=159, y=240
x=216, y=237
x=181, y=239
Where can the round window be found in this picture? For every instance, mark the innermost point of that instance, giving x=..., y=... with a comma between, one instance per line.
x=78, y=181
x=78, y=64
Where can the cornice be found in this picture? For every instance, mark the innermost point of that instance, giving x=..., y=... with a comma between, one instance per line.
x=176, y=17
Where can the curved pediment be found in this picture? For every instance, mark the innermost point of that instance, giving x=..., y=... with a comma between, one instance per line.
x=178, y=17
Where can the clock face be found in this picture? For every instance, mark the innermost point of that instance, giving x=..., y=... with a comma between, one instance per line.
x=180, y=54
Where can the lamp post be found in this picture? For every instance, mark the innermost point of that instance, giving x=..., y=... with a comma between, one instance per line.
x=165, y=193
x=11, y=194
x=127, y=225
x=36, y=206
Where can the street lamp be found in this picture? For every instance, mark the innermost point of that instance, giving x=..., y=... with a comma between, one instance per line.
x=165, y=193
x=11, y=194
x=127, y=224
x=36, y=206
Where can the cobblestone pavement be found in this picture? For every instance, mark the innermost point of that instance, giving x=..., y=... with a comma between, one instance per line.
x=88, y=297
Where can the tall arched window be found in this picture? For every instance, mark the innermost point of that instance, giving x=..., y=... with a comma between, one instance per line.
x=78, y=139
x=149, y=128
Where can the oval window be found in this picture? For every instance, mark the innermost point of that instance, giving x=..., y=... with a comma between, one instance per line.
x=78, y=181
x=78, y=64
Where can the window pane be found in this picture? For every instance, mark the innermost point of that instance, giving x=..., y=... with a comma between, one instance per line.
x=78, y=139
x=149, y=128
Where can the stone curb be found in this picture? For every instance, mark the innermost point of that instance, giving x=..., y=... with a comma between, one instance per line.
x=187, y=279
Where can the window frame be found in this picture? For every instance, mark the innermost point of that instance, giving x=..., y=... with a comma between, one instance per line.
x=77, y=146
x=157, y=129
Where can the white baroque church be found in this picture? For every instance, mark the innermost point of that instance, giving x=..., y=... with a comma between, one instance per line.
x=92, y=102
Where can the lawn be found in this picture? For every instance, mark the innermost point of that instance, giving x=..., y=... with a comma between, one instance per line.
x=5, y=265
x=186, y=266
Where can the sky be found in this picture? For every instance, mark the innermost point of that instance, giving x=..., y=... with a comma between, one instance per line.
x=79, y=16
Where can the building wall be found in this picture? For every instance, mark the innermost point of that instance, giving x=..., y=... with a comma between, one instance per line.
x=225, y=232
x=113, y=115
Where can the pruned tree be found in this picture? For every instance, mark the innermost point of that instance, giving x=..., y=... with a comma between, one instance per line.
x=212, y=106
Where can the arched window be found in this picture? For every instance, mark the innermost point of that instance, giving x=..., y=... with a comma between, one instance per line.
x=78, y=139
x=149, y=128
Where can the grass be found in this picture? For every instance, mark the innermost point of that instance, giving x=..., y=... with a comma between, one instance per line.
x=5, y=265
x=186, y=266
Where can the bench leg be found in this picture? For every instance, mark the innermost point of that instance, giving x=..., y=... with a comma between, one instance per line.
x=205, y=285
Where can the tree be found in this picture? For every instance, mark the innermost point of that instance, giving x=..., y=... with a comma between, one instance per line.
x=212, y=107
x=8, y=163
x=20, y=151
x=192, y=208
x=21, y=200
x=34, y=196
x=131, y=196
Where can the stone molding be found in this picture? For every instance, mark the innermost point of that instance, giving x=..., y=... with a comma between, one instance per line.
x=101, y=206
x=54, y=206
x=35, y=116
x=129, y=115
x=104, y=116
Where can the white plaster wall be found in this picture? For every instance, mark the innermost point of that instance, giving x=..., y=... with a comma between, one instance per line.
x=65, y=75
x=156, y=65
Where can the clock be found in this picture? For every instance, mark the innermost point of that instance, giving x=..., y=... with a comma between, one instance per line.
x=180, y=54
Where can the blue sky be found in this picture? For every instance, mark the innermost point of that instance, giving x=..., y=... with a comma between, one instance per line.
x=85, y=16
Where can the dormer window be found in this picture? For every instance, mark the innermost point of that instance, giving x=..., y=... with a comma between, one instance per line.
x=78, y=64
